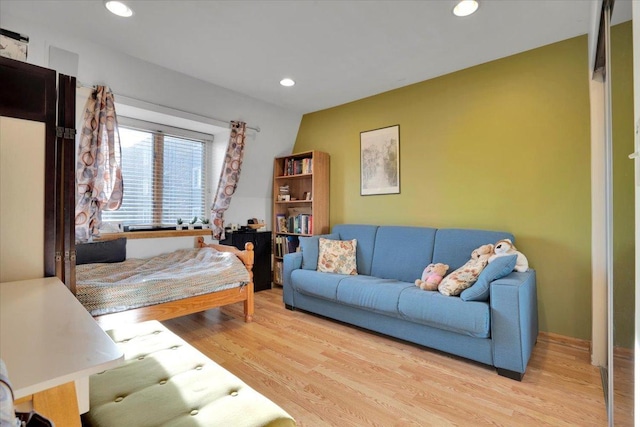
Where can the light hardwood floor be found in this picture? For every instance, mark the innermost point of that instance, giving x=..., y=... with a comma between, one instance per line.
x=325, y=373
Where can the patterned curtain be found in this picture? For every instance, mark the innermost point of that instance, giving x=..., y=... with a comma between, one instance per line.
x=98, y=166
x=229, y=178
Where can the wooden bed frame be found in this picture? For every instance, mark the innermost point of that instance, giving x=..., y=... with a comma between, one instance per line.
x=184, y=306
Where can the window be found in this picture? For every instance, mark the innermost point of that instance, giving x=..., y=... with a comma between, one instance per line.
x=165, y=175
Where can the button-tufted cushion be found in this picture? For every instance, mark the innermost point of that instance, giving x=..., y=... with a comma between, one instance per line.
x=164, y=381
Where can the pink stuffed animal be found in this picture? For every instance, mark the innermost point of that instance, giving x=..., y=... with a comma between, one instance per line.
x=432, y=276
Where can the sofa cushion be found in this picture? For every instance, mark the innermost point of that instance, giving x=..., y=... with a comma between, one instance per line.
x=320, y=285
x=371, y=293
x=452, y=314
x=495, y=270
x=309, y=249
x=463, y=278
x=365, y=235
x=402, y=253
x=453, y=246
x=337, y=256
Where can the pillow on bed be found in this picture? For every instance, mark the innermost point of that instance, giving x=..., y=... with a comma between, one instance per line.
x=98, y=252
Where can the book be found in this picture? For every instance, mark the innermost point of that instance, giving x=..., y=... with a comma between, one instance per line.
x=298, y=166
x=277, y=272
x=281, y=223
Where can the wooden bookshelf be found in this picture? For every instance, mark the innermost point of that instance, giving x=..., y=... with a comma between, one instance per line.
x=305, y=212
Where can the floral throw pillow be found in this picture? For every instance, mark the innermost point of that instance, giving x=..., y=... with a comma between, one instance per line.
x=462, y=278
x=337, y=256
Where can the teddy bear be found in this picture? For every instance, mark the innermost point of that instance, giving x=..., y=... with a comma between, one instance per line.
x=432, y=276
x=483, y=253
x=505, y=247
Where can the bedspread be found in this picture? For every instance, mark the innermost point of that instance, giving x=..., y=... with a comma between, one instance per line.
x=134, y=283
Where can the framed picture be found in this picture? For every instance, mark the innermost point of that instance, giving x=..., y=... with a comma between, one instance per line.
x=380, y=161
x=13, y=45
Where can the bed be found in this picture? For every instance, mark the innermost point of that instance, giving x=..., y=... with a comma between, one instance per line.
x=116, y=290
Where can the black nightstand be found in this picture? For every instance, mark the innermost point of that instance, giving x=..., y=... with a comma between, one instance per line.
x=262, y=254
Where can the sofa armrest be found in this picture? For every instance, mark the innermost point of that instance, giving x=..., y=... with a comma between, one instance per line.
x=514, y=320
x=292, y=261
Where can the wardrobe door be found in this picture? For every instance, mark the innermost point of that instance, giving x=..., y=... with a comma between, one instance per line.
x=27, y=153
x=66, y=181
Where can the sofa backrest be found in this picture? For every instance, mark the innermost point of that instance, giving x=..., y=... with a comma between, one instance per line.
x=402, y=252
x=453, y=246
x=365, y=235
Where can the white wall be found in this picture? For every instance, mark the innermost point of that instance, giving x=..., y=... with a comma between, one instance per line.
x=135, y=79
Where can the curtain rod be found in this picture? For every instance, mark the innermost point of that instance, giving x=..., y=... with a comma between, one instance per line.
x=89, y=86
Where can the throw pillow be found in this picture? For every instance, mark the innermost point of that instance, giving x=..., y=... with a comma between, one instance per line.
x=309, y=249
x=337, y=256
x=496, y=269
x=462, y=278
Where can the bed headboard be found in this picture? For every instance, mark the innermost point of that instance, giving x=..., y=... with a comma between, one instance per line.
x=97, y=252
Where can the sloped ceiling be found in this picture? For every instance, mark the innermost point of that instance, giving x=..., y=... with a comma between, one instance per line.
x=336, y=51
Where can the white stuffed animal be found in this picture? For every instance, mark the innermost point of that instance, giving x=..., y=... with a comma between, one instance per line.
x=505, y=247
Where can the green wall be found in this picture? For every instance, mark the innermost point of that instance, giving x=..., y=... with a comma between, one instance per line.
x=504, y=146
x=501, y=146
x=623, y=191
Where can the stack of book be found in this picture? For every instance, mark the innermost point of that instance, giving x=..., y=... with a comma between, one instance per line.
x=285, y=245
x=298, y=223
x=298, y=166
x=301, y=224
x=283, y=190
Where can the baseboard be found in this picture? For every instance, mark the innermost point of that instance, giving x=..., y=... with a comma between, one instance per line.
x=618, y=352
x=623, y=353
x=565, y=340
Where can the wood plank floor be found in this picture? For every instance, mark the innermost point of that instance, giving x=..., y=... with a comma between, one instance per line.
x=325, y=373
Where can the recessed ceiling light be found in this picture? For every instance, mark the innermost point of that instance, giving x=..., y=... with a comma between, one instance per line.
x=287, y=82
x=465, y=7
x=118, y=8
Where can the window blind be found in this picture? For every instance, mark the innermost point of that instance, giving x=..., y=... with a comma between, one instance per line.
x=164, y=178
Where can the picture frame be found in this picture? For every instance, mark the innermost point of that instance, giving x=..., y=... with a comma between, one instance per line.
x=13, y=45
x=380, y=161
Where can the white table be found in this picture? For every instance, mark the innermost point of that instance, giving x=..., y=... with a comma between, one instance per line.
x=49, y=341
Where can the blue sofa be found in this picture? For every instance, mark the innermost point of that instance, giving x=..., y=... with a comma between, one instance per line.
x=499, y=329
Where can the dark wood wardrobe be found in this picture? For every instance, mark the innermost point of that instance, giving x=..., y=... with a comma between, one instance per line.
x=29, y=96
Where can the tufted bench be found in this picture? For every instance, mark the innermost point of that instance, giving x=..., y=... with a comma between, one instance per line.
x=166, y=382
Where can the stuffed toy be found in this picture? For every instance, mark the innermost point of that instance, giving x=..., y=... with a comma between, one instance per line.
x=432, y=276
x=505, y=247
x=465, y=276
x=483, y=253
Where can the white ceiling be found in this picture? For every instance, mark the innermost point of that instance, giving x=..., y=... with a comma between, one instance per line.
x=336, y=51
